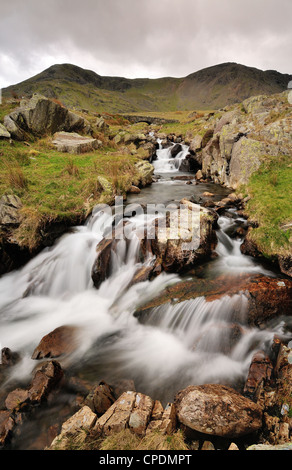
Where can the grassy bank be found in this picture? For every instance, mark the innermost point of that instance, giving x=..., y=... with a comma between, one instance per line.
x=270, y=206
x=58, y=187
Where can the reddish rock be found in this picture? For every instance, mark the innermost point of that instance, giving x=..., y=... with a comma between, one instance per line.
x=260, y=371
x=44, y=381
x=6, y=426
x=60, y=341
x=268, y=298
x=17, y=400
x=100, y=399
x=8, y=358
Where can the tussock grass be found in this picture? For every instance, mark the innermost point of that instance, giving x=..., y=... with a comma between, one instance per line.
x=127, y=440
x=16, y=178
x=56, y=187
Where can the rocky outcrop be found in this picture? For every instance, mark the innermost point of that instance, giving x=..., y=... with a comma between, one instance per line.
x=272, y=391
x=243, y=137
x=71, y=142
x=41, y=116
x=217, y=410
x=134, y=411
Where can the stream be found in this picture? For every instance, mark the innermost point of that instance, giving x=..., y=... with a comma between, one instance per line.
x=176, y=345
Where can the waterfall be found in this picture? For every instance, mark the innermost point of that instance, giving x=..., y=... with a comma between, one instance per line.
x=176, y=345
x=165, y=163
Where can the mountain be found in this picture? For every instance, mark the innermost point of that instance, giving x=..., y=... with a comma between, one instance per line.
x=209, y=88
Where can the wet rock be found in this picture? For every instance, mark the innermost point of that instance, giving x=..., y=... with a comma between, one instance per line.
x=175, y=150
x=263, y=299
x=17, y=400
x=71, y=142
x=62, y=340
x=8, y=358
x=100, y=398
x=44, y=381
x=196, y=240
x=6, y=426
x=134, y=190
x=261, y=370
x=217, y=410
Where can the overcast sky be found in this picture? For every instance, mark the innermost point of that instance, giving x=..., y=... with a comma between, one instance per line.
x=142, y=38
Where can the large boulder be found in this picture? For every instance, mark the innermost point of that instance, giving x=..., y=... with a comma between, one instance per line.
x=41, y=116
x=195, y=240
x=217, y=410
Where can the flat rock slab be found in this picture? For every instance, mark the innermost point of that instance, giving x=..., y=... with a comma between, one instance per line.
x=71, y=142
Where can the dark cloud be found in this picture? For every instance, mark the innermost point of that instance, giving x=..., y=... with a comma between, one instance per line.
x=148, y=38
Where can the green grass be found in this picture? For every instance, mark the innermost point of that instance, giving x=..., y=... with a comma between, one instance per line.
x=270, y=205
x=55, y=186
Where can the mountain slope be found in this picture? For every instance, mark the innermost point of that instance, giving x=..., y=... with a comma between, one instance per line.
x=210, y=88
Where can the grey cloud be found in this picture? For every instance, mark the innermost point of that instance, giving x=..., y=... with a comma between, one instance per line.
x=143, y=37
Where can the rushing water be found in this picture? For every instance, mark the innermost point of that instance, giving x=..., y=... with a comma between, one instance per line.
x=175, y=345
x=165, y=163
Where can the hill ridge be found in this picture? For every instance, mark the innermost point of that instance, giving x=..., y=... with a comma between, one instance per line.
x=209, y=88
